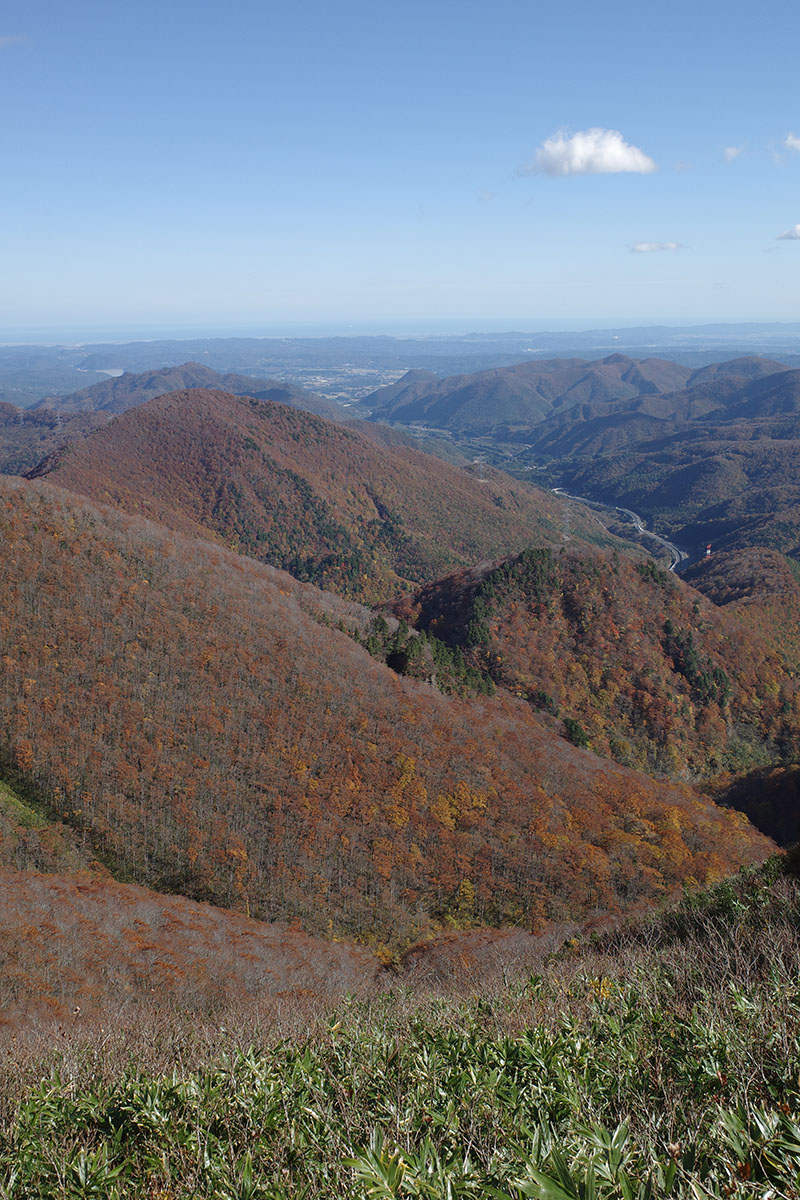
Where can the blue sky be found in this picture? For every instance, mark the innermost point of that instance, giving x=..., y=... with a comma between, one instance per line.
x=222, y=165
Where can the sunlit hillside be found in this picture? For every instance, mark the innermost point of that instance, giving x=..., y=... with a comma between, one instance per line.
x=184, y=709
x=302, y=493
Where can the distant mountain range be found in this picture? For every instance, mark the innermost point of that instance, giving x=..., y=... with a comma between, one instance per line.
x=517, y=397
x=352, y=366
x=720, y=465
x=709, y=455
x=510, y=402
x=128, y=390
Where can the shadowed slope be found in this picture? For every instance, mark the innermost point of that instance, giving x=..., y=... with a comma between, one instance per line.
x=26, y=437
x=706, y=456
x=718, y=463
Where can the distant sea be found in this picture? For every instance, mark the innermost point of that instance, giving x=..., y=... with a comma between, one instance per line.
x=72, y=335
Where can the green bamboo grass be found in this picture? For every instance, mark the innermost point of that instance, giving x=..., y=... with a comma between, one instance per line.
x=662, y=1060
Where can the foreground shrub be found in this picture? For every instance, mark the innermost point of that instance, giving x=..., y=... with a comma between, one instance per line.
x=633, y=1068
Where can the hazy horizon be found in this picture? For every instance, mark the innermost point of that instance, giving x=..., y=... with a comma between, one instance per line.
x=170, y=167
x=57, y=335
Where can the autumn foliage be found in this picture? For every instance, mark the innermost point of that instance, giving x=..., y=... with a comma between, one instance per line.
x=286, y=487
x=182, y=710
x=627, y=658
x=77, y=945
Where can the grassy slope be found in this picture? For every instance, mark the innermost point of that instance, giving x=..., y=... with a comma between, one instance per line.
x=663, y=1061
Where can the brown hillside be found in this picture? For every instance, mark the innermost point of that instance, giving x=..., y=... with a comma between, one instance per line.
x=745, y=577
x=299, y=492
x=26, y=437
x=77, y=945
x=177, y=706
x=652, y=673
x=762, y=588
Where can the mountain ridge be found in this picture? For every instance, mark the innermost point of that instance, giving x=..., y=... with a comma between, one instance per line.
x=233, y=747
x=319, y=499
x=627, y=657
x=129, y=389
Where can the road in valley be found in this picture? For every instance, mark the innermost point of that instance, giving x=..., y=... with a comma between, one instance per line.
x=677, y=555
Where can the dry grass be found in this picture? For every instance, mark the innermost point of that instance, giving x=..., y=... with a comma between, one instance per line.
x=659, y=1059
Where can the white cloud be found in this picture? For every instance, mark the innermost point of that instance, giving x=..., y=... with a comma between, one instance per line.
x=791, y=235
x=792, y=142
x=11, y=39
x=732, y=152
x=589, y=152
x=649, y=247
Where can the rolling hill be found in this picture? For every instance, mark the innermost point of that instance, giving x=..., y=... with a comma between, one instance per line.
x=727, y=409
x=178, y=716
x=734, y=494
x=717, y=463
x=193, y=718
x=506, y=400
x=511, y=403
x=28, y=435
x=294, y=490
x=132, y=388
x=627, y=658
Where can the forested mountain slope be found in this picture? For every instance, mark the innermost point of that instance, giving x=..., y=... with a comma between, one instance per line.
x=635, y=662
x=302, y=493
x=177, y=705
x=75, y=946
x=529, y=401
x=735, y=493
x=32, y=840
x=27, y=437
x=719, y=462
x=507, y=399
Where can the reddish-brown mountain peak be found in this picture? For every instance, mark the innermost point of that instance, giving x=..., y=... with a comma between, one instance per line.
x=300, y=492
